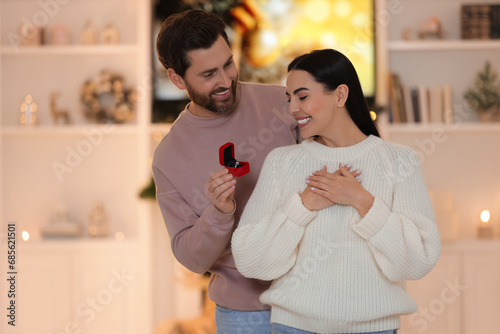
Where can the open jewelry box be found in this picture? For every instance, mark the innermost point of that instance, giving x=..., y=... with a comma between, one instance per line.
x=227, y=159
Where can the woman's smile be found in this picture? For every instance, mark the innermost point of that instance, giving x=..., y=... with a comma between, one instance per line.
x=303, y=121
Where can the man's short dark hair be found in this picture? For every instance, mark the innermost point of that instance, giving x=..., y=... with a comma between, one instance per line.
x=186, y=31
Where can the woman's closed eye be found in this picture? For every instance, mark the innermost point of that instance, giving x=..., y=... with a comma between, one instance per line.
x=302, y=98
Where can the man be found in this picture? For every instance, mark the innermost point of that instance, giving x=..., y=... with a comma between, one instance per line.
x=200, y=200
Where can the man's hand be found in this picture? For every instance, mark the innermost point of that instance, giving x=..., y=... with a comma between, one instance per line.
x=220, y=190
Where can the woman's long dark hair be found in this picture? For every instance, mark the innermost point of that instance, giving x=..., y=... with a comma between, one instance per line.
x=331, y=69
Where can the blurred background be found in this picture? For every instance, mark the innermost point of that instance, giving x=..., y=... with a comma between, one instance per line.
x=84, y=102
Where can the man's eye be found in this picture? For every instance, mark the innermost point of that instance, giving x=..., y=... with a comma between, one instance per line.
x=208, y=75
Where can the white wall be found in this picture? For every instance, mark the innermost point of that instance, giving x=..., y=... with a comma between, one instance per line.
x=464, y=161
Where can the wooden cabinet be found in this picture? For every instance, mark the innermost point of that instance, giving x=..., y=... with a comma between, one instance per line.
x=76, y=287
x=437, y=298
x=482, y=291
x=461, y=295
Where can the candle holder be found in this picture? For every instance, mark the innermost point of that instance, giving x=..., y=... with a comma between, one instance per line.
x=485, y=230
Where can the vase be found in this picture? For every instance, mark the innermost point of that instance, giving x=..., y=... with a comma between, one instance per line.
x=490, y=115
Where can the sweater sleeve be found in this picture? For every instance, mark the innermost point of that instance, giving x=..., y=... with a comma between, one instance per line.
x=265, y=244
x=196, y=241
x=403, y=235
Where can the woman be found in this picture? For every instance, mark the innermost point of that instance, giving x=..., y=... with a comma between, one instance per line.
x=339, y=251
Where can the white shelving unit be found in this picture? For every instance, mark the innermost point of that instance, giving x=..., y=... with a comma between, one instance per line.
x=106, y=164
x=445, y=148
x=460, y=294
x=448, y=61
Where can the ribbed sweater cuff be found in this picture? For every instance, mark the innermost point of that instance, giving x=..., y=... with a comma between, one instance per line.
x=215, y=217
x=297, y=212
x=373, y=221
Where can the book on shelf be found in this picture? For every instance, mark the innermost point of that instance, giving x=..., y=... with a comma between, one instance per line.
x=419, y=103
x=480, y=21
x=495, y=22
x=397, y=112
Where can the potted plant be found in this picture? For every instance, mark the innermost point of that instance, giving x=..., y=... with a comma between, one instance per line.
x=485, y=96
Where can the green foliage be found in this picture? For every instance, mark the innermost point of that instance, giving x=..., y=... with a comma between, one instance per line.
x=486, y=93
x=149, y=191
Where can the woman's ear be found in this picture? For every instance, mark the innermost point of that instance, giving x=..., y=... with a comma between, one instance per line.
x=176, y=79
x=342, y=94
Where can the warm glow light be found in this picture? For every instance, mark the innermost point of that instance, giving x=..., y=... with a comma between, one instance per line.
x=317, y=11
x=157, y=136
x=342, y=8
x=119, y=236
x=25, y=235
x=373, y=115
x=485, y=216
x=328, y=40
x=360, y=20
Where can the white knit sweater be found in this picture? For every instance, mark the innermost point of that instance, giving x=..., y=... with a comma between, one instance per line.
x=334, y=272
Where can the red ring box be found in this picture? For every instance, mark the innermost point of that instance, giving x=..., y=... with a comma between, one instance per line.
x=227, y=159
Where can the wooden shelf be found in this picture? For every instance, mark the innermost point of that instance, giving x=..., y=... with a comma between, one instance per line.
x=81, y=243
x=69, y=130
x=457, y=128
x=69, y=50
x=443, y=45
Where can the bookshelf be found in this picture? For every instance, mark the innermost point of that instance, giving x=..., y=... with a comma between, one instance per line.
x=450, y=61
x=448, y=151
x=113, y=167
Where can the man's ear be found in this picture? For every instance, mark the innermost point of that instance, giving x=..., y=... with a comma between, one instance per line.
x=176, y=79
x=342, y=94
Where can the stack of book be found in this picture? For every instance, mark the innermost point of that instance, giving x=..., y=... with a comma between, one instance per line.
x=419, y=103
x=481, y=21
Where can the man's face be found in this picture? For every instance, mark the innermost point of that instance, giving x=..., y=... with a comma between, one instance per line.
x=211, y=80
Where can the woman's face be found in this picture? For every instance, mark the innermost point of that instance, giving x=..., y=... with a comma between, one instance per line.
x=309, y=104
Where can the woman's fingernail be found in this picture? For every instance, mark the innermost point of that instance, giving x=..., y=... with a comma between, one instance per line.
x=358, y=170
x=307, y=181
x=312, y=188
x=348, y=165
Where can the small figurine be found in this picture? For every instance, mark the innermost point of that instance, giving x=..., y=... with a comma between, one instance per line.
x=430, y=28
x=60, y=35
x=30, y=35
x=110, y=35
x=89, y=34
x=57, y=113
x=28, y=111
x=61, y=225
x=98, y=221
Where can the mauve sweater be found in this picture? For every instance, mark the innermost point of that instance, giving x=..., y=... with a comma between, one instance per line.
x=200, y=235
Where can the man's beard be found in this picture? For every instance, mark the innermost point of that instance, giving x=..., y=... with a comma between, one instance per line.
x=213, y=104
